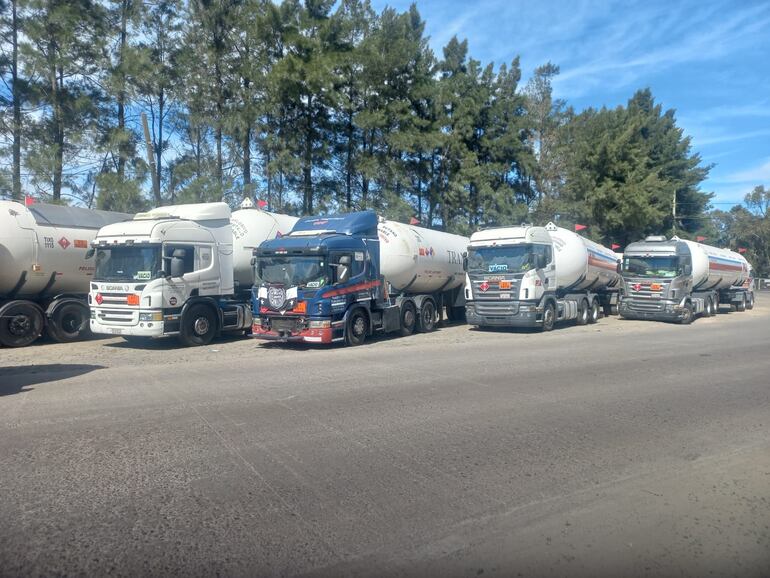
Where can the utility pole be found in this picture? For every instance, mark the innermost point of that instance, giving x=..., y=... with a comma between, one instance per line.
x=151, y=159
x=673, y=211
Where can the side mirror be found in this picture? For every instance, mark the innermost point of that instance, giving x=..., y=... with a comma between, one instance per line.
x=90, y=253
x=540, y=262
x=177, y=262
x=345, y=260
x=687, y=269
x=465, y=262
x=619, y=266
x=343, y=273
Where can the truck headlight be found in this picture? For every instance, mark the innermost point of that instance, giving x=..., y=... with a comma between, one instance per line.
x=154, y=316
x=319, y=324
x=93, y=313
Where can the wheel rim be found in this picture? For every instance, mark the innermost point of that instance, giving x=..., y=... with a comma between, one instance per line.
x=548, y=316
x=71, y=322
x=409, y=317
x=201, y=326
x=359, y=326
x=427, y=315
x=20, y=325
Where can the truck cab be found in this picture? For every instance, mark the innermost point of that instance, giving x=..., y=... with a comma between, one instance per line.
x=321, y=283
x=167, y=272
x=657, y=279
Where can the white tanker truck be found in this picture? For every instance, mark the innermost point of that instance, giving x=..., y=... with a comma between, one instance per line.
x=675, y=280
x=343, y=277
x=44, y=270
x=531, y=276
x=181, y=270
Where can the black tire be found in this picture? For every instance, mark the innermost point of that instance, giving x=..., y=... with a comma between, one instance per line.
x=549, y=317
x=198, y=326
x=426, y=322
x=593, y=314
x=357, y=328
x=69, y=322
x=687, y=319
x=750, y=302
x=21, y=323
x=408, y=318
x=614, y=310
x=741, y=305
x=582, y=318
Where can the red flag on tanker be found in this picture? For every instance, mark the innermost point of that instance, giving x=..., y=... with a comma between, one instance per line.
x=261, y=204
x=580, y=227
x=414, y=221
x=699, y=238
x=741, y=249
x=28, y=201
x=615, y=246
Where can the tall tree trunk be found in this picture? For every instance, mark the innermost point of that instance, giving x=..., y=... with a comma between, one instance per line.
x=349, y=164
x=122, y=152
x=247, y=159
x=58, y=122
x=419, y=186
x=307, y=167
x=218, y=132
x=16, y=90
x=159, y=144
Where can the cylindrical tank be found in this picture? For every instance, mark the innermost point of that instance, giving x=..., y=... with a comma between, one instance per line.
x=43, y=248
x=715, y=269
x=250, y=228
x=418, y=260
x=580, y=263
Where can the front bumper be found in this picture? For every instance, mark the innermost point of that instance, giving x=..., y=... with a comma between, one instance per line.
x=292, y=330
x=503, y=314
x=141, y=329
x=658, y=310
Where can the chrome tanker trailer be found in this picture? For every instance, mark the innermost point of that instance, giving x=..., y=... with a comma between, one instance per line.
x=531, y=276
x=45, y=271
x=675, y=280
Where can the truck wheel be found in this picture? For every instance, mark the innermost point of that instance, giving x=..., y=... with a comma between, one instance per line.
x=687, y=318
x=408, y=318
x=741, y=305
x=198, y=326
x=427, y=320
x=549, y=316
x=708, y=307
x=21, y=322
x=69, y=322
x=582, y=316
x=355, y=333
x=750, y=302
x=593, y=316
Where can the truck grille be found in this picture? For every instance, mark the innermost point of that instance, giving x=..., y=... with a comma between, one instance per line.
x=117, y=316
x=494, y=309
x=644, y=290
x=489, y=290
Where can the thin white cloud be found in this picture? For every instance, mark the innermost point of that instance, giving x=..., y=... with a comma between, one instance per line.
x=719, y=139
x=757, y=174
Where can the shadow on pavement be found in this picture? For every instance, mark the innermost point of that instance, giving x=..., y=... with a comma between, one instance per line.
x=167, y=343
x=15, y=378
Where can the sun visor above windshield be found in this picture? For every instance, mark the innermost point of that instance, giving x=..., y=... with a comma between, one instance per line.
x=363, y=223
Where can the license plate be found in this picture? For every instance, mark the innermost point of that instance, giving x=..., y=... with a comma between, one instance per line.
x=116, y=331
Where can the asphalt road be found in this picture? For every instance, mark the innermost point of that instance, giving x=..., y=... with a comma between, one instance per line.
x=618, y=449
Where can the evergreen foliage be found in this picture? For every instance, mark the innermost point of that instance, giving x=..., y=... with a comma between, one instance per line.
x=318, y=106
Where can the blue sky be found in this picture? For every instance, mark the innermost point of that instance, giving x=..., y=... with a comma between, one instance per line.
x=708, y=60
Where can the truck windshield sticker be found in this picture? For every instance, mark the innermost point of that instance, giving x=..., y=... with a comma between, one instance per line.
x=143, y=275
x=314, y=283
x=496, y=268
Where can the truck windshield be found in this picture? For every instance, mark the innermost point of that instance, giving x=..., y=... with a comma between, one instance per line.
x=295, y=270
x=658, y=266
x=128, y=263
x=513, y=259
